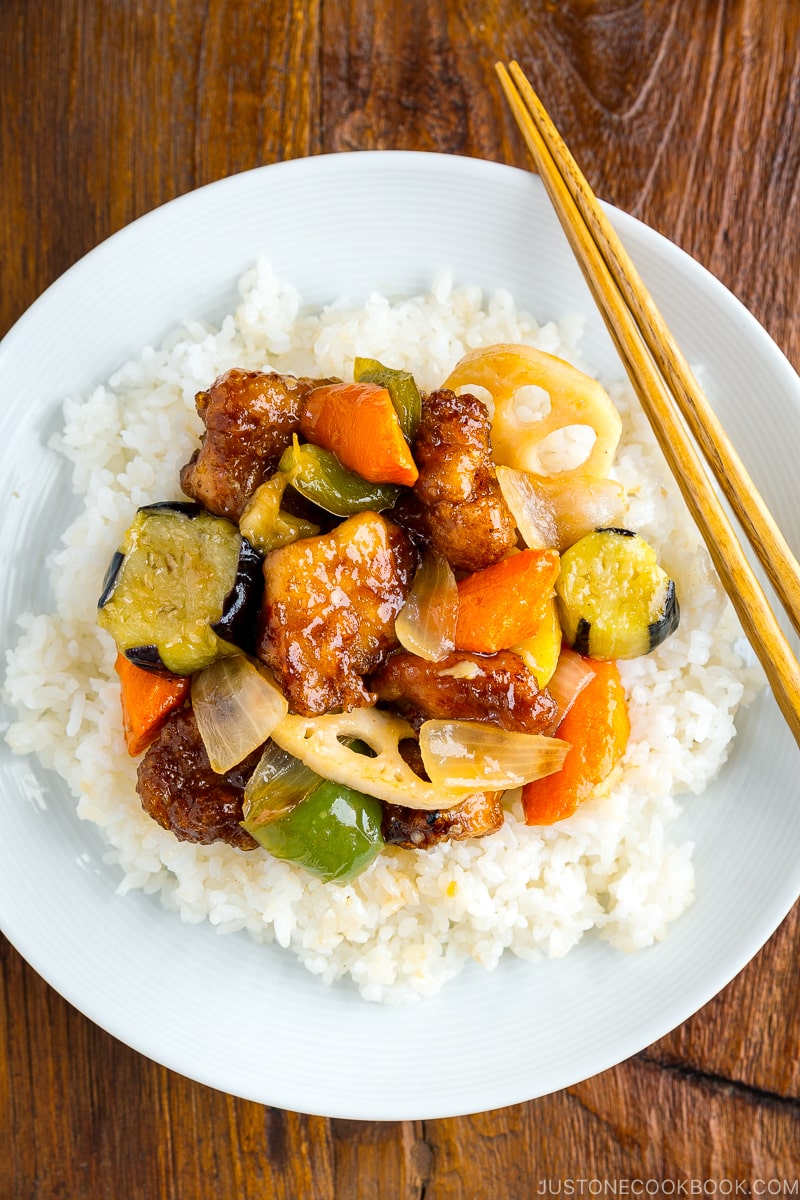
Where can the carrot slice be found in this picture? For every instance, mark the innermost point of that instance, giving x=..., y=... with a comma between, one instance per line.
x=147, y=701
x=597, y=728
x=507, y=603
x=359, y=424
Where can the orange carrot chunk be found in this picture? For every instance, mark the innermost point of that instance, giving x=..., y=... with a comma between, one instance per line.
x=597, y=728
x=359, y=424
x=147, y=701
x=507, y=603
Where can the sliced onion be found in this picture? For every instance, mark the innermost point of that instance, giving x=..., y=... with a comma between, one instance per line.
x=237, y=707
x=569, y=679
x=528, y=507
x=580, y=504
x=279, y=782
x=557, y=512
x=426, y=625
x=471, y=754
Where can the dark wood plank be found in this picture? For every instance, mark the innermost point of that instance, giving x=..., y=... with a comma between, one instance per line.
x=750, y=1033
x=686, y=116
x=121, y=107
x=638, y=1122
x=394, y=1154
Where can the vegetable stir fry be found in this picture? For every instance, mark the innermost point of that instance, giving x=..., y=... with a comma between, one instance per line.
x=380, y=612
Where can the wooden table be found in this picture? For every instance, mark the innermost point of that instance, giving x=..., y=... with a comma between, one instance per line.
x=687, y=115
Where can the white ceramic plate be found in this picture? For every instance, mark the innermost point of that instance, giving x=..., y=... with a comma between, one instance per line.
x=248, y=1019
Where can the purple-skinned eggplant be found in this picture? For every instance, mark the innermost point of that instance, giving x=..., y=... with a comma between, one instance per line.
x=183, y=589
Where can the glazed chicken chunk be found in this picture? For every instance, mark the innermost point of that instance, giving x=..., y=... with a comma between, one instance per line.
x=494, y=688
x=330, y=604
x=417, y=829
x=457, y=504
x=250, y=417
x=421, y=829
x=179, y=789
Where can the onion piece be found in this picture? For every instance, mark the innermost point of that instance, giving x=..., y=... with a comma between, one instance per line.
x=580, y=504
x=426, y=625
x=569, y=679
x=237, y=707
x=471, y=754
x=556, y=513
x=279, y=782
x=529, y=508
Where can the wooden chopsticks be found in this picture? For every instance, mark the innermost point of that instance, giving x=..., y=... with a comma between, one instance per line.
x=673, y=402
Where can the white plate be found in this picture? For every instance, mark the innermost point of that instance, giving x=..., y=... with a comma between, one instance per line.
x=248, y=1019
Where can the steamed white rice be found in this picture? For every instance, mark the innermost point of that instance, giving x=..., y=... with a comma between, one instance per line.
x=411, y=921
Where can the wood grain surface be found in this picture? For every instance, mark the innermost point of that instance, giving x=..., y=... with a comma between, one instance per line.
x=686, y=114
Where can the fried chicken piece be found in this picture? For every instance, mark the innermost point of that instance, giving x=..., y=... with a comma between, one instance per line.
x=494, y=688
x=457, y=505
x=250, y=417
x=415, y=829
x=420, y=829
x=180, y=791
x=329, y=608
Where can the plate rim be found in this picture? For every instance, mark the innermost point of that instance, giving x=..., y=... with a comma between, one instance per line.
x=312, y=163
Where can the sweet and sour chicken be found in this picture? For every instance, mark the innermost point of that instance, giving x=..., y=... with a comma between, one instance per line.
x=320, y=541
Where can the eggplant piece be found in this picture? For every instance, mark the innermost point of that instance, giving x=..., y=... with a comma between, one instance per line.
x=148, y=658
x=239, y=621
x=183, y=589
x=110, y=581
x=614, y=599
x=188, y=507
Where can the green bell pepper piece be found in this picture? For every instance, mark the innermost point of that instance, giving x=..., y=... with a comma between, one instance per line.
x=335, y=833
x=318, y=475
x=401, y=387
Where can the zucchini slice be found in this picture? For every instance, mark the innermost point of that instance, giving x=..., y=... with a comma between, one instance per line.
x=614, y=600
x=183, y=589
